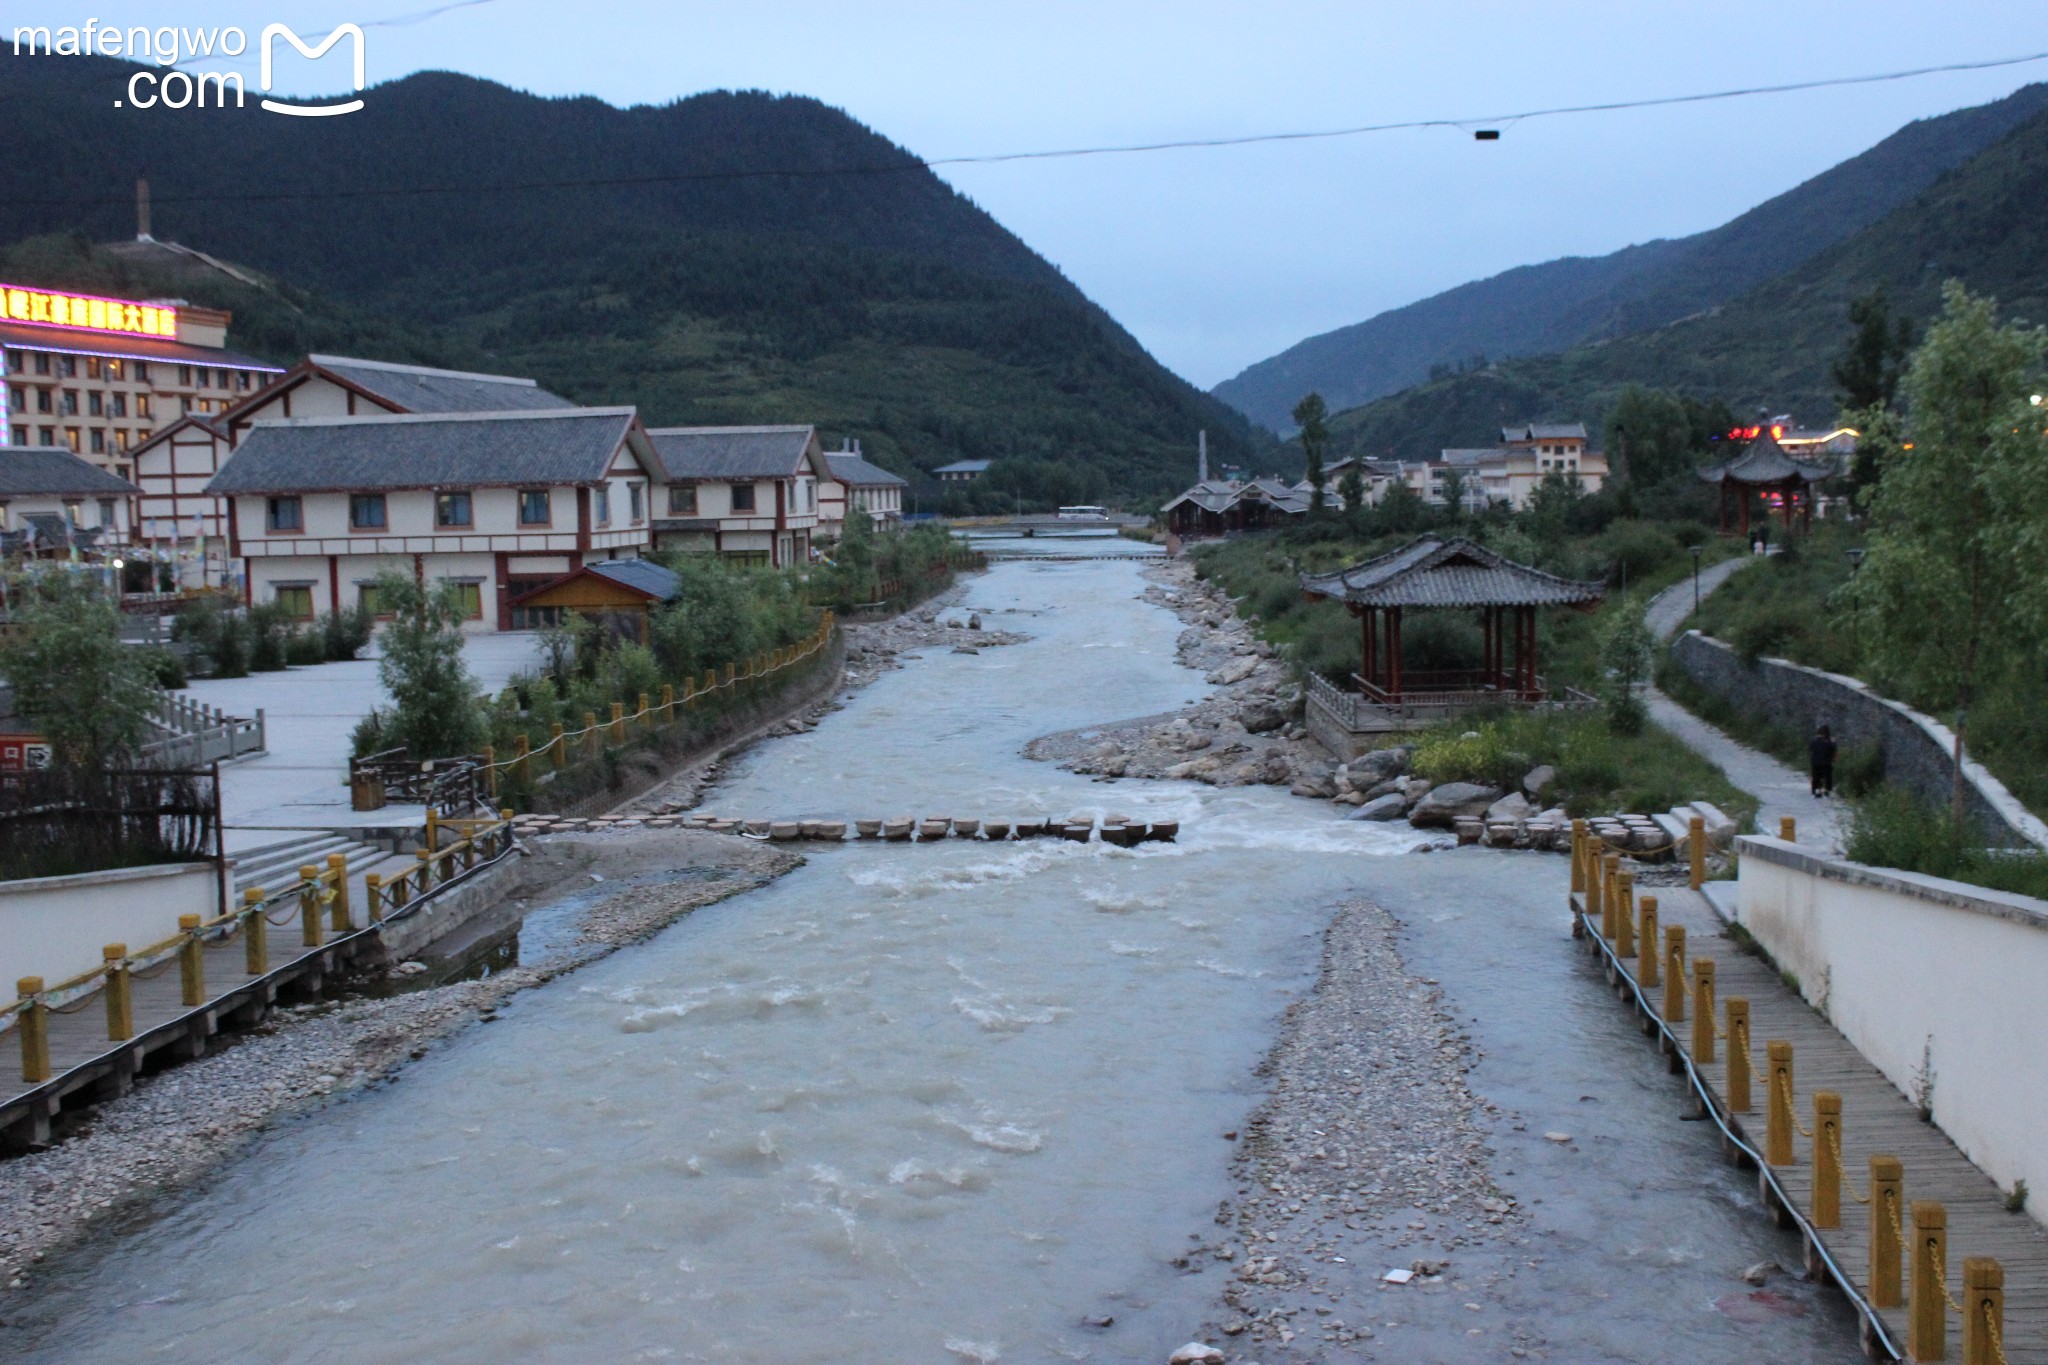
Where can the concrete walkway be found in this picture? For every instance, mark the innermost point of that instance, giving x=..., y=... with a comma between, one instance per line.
x=1781, y=790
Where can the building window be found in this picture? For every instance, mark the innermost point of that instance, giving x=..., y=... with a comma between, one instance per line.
x=117, y=405
x=121, y=470
x=46, y=436
x=113, y=368
x=534, y=509
x=142, y=405
x=636, y=504
x=296, y=599
x=743, y=497
x=44, y=402
x=202, y=379
x=601, y=506
x=18, y=396
x=67, y=367
x=94, y=404
x=99, y=441
x=67, y=405
x=366, y=512
x=682, y=500
x=92, y=367
x=42, y=362
x=452, y=510
x=470, y=594
x=106, y=511
x=74, y=439
x=185, y=375
x=142, y=372
x=21, y=436
x=285, y=514
x=15, y=361
x=366, y=593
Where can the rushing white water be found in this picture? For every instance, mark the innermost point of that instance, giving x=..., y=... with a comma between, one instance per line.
x=910, y=1103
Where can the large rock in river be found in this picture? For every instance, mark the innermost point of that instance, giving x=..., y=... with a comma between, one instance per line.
x=1441, y=807
x=1389, y=807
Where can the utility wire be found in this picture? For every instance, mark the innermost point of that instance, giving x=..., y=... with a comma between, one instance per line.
x=914, y=164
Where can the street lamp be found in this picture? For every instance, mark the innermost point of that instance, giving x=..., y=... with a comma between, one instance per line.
x=1695, y=580
x=1854, y=554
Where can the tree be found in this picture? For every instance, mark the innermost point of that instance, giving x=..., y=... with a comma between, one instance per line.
x=1351, y=489
x=1401, y=509
x=85, y=692
x=1949, y=580
x=855, y=557
x=436, y=710
x=1454, y=494
x=1626, y=648
x=1549, y=512
x=1308, y=415
x=1872, y=364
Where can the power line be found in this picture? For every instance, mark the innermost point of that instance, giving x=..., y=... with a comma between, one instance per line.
x=913, y=164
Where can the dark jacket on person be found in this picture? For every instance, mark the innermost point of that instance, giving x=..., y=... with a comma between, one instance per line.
x=1820, y=751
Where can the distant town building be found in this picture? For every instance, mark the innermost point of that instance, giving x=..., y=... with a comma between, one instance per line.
x=53, y=504
x=1512, y=471
x=962, y=471
x=747, y=493
x=499, y=503
x=857, y=484
x=98, y=376
x=1217, y=507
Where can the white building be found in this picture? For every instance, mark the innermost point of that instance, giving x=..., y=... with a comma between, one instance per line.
x=52, y=503
x=748, y=493
x=178, y=520
x=857, y=484
x=498, y=502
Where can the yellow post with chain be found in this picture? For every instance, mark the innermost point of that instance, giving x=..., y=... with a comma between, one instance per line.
x=309, y=907
x=522, y=762
x=1624, y=915
x=1927, y=1311
x=1610, y=893
x=1983, y=1311
x=1593, y=848
x=1788, y=829
x=1702, y=1010
x=1578, y=859
x=1778, y=1101
x=1696, y=850
x=646, y=714
x=120, y=1000
x=489, y=754
x=1827, y=1159
x=618, y=723
x=668, y=701
x=558, y=746
x=191, y=962
x=255, y=933
x=1674, y=973
x=373, y=892
x=35, y=1030
x=1887, y=1197
x=342, y=916
x=1739, y=1060
x=1646, y=954
x=591, y=742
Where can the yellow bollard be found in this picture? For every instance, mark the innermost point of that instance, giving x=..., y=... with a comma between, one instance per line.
x=490, y=758
x=341, y=917
x=1983, y=1311
x=1625, y=915
x=1578, y=857
x=1788, y=829
x=191, y=962
x=522, y=762
x=1610, y=891
x=1927, y=1313
x=1702, y=1010
x=1674, y=973
x=433, y=836
x=1739, y=1099
x=618, y=722
x=1827, y=1159
x=646, y=715
x=1887, y=1200
x=35, y=1031
x=309, y=905
x=373, y=892
x=1778, y=1101
x=1696, y=850
x=558, y=745
x=1592, y=879
x=668, y=701
x=120, y=1000
x=255, y=933
x=591, y=741
x=1646, y=954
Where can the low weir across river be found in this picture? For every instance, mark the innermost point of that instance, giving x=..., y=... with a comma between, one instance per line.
x=889, y=1108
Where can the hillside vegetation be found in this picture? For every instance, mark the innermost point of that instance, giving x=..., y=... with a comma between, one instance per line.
x=774, y=261
x=1560, y=304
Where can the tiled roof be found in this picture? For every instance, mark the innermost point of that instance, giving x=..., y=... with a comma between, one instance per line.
x=28, y=471
x=1433, y=571
x=1764, y=461
x=1545, y=431
x=551, y=448
x=65, y=340
x=643, y=575
x=732, y=452
x=964, y=467
x=856, y=472
x=415, y=388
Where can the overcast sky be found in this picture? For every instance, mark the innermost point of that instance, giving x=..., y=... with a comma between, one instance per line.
x=1219, y=258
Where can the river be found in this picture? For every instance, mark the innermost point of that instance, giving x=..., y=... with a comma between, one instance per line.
x=908, y=1103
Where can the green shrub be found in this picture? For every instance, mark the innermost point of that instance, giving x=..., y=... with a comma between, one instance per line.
x=270, y=634
x=1892, y=828
x=166, y=668
x=344, y=633
x=218, y=631
x=372, y=735
x=306, y=647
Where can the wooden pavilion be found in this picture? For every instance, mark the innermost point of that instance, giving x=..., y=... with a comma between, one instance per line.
x=1436, y=573
x=1767, y=469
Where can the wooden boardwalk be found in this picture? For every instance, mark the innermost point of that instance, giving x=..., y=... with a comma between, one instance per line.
x=1876, y=1120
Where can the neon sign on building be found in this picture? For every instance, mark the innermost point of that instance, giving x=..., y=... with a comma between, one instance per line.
x=47, y=308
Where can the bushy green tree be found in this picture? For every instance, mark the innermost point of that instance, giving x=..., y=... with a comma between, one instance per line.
x=1351, y=489
x=1868, y=371
x=1627, y=646
x=85, y=692
x=1310, y=415
x=436, y=710
x=1955, y=575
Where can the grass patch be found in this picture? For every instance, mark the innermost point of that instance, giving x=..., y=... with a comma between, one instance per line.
x=1889, y=828
x=1598, y=771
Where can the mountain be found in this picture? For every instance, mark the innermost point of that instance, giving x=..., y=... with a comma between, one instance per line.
x=1564, y=303
x=1772, y=347
x=765, y=258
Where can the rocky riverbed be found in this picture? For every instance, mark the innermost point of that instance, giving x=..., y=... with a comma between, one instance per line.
x=179, y=1124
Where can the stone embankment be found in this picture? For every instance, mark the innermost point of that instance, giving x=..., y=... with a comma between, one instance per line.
x=175, y=1127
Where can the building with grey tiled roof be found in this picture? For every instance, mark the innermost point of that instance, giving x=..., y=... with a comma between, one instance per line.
x=50, y=501
x=748, y=493
x=855, y=483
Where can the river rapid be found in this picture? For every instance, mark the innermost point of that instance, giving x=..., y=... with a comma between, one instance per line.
x=908, y=1103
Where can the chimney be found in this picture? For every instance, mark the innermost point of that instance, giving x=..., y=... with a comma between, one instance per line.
x=142, y=210
x=1202, y=464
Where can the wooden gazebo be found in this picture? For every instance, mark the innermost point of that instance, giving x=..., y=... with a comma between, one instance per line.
x=1767, y=468
x=1436, y=572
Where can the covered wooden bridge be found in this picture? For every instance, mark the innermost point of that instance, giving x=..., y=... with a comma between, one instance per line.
x=1438, y=573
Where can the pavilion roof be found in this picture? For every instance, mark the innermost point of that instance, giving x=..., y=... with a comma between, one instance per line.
x=1763, y=461
x=1438, y=571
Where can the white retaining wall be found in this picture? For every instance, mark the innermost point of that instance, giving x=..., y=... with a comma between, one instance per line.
x=55, y=927
x=1920, y=972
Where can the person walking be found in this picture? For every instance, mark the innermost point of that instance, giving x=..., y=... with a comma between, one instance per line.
x=1820, y=757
